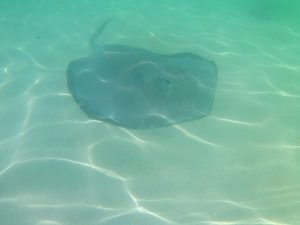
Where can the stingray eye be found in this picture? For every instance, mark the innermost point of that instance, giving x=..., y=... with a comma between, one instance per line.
x=165, y=85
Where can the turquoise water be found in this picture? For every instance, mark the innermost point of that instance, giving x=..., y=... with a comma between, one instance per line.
x=238, y=166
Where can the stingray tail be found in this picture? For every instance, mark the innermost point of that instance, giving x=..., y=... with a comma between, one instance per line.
x=99, y=31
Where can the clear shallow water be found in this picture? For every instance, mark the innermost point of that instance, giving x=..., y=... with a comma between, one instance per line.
x=238, y=166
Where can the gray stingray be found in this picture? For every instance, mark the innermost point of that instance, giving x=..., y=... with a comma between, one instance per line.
x=135, y=88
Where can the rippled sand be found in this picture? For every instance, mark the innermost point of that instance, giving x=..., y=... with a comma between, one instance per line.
x=239, y=166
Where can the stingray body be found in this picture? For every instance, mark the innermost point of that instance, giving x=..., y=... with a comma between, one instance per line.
x=139, y=89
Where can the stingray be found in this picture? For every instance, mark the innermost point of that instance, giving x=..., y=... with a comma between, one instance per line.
x=136, y=88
